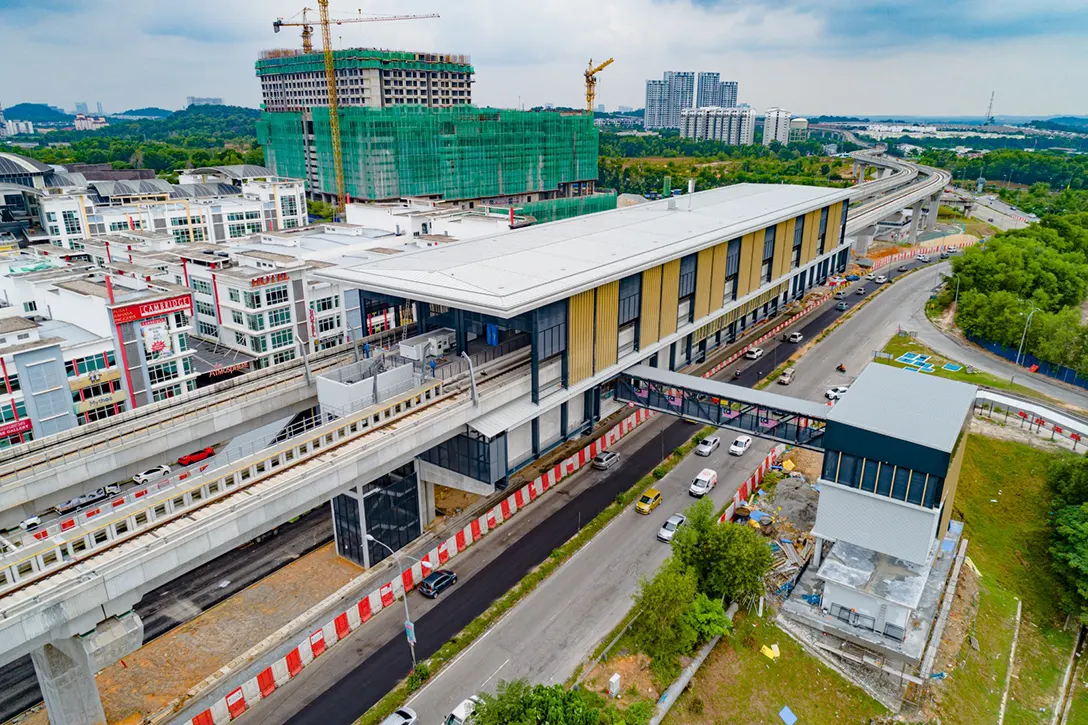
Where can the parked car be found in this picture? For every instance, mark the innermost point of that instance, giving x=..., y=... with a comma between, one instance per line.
x=462, y=714
x=401, y=716
x=788, y=374
x=604, y=461
x=30, y=523
x=703, y=483
x=842, y=306
x=904, y=268
x=437, y=581
x=881, y=279
x=708, y=445
x=670, y=526
x=740, y=445
x=151, y=474
x=196, y=457
x=795, y=337
x=754, y=354
x=648, y=501
x=100, y=494
x=836, y=392
x=861, y=291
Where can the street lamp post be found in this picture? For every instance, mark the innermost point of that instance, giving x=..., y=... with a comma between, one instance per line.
x=1025, y=335
x=407, y=616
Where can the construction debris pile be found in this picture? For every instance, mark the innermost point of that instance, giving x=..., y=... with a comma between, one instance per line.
x=784, y=510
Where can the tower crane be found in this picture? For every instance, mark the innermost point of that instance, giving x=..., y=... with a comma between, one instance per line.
x=591, y=81
x=330, y=75
x=989, y=120
x=308, y=27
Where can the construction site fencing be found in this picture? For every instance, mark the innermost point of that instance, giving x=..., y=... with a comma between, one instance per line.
x=456, y=153
x=551, y=210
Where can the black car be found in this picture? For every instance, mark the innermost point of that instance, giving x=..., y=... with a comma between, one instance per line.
x=435, y=582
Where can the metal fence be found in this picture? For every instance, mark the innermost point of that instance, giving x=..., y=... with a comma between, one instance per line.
x=1029, y=361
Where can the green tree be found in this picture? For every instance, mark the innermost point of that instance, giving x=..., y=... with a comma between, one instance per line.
x=1069, y=558
x=662, y=630
x=707, y=617
x=321, y=209
x=1067, y=478
x=519, y=703
x=727, y=561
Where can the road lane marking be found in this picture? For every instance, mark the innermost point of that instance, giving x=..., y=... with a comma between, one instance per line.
x=482, y=684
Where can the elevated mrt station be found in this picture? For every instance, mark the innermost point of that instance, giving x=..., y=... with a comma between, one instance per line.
x=659, y=285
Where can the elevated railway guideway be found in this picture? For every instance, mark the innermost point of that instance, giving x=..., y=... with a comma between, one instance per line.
x=902, y=174
x=927, y=187
x=59, y=588
x=39, y=474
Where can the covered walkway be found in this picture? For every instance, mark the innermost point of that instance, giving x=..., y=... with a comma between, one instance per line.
x=767, y=415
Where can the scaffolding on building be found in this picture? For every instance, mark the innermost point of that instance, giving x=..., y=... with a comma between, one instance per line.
x=463, y=152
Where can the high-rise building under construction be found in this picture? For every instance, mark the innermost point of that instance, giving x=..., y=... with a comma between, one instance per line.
x=408, y=129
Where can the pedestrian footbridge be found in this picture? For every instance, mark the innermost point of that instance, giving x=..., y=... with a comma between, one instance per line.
x=767, y=415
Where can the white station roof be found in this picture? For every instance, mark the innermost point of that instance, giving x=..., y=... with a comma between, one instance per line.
x=512, y=272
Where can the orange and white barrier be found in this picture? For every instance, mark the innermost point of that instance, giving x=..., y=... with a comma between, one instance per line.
x=751, y=485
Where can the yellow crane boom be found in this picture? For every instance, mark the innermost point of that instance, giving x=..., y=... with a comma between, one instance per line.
x=308, y=27
x=591, y=81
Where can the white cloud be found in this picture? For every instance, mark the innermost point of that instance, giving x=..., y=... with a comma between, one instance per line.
x=797, y=54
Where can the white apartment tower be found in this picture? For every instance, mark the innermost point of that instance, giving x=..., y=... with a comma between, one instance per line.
x=776, y=126
x=732, y=126
x=728, y=94
x=709, y=90
x=666, y=98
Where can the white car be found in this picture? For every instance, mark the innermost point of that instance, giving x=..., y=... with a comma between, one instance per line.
x=881, y=279
x=462, y=714
x=402, y=716
x=740, y=445
x=795, y=337
x=708, y=445
x=836, y=392
x=754, y=354
x=151, y=474
x=669, y=528
x=871, y=276
x=923, y=258
x=31, y=522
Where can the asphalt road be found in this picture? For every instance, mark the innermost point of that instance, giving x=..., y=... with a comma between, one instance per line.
x=357, y=676
x=998, y=213
x=182, y=599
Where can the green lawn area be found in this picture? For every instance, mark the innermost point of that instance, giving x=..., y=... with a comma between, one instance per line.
x=900, y=344
x=737, y=684
x=1008, y=543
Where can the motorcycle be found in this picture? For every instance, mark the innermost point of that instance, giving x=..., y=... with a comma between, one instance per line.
x=841, y=368
x=736, y=374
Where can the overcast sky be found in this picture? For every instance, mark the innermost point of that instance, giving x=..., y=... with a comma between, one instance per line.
x=903, y=57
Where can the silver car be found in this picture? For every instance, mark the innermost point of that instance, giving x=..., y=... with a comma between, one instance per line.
x=708, y=445
x=669, y=528
x=604, y=461
x=402, y=716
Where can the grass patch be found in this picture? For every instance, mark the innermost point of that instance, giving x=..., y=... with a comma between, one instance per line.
x=900, y=344
x=1009, y=544
x=399, y=695
x=737, y=684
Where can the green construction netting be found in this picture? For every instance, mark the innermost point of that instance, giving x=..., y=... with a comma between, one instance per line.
x=363, y=58
x=551, y=210
x=280, y=134
x=455, y=153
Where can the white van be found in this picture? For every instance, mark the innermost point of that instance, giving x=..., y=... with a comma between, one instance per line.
x=703, y=483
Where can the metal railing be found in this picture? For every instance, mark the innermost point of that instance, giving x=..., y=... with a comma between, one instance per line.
x=264, y=384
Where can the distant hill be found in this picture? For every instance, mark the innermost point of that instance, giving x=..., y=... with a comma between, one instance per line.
x=36, y=112
x=1076, y=122
x=149, y=111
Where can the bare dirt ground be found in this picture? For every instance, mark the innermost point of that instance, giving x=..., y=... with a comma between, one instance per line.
x=955, y=643
x=635, y=680
x=1014, y=430
x=452, y=501
x=163, y=670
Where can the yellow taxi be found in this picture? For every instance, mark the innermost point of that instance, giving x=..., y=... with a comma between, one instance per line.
x=648, y=501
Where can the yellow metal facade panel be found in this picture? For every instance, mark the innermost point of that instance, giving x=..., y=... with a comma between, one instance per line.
x=744, y=273
x=783, y=248
x=703, y=269
x=808, y=241
x=650, y=317
x=580, y=336
x=670, y=296
x=756, y=261
x=834, y=217
x=607, y=328
x=717, y=277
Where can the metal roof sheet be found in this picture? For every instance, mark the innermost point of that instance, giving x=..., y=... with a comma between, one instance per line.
x=16, y=164
x=915, y=407
x=511, y=272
